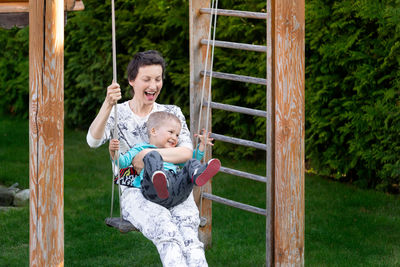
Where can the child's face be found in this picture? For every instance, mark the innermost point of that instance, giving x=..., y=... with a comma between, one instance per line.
x=166, y=135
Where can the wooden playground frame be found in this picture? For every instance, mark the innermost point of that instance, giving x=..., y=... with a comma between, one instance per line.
x=285, y=52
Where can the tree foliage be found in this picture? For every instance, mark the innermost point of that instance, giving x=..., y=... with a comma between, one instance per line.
x=14, y=71
x=352, y=75
x=353, y=81
x=140, y=25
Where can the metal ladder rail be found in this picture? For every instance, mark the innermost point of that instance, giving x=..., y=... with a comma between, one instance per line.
x=236, y=13
x=232, y=108
x=243, y=174
x=234, y=204
x=234, y=45
x=238, y=141
x=235, y=77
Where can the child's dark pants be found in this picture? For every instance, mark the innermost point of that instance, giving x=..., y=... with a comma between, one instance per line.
x=180, y=183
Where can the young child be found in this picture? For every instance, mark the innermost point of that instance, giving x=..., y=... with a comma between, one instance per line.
x=163, y=182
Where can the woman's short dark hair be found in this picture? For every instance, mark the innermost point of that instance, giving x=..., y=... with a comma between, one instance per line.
x=146, y=58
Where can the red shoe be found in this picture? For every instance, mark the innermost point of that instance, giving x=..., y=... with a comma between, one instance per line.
x=212, y=168
x=160, y=182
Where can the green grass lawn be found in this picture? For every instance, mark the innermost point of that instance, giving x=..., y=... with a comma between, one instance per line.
x=345, y=226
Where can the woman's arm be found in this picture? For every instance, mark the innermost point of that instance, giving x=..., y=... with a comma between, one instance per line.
x=98, y=125
x=174, y=155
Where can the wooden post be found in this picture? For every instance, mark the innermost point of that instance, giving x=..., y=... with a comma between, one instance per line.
x=46, y=132
x=199, y=25
x=285, y=131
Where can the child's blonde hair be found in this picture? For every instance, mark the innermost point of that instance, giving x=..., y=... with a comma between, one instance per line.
x=156, y=119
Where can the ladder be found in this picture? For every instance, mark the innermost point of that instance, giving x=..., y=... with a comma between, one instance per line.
x=284, y=83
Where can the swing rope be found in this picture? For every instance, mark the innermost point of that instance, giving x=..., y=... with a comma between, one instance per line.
x=115, y=130
x=214, y=8
x=213, y=15
x=122, y=225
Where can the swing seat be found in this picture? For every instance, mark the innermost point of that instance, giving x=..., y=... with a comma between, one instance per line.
x=125, y=226
x=120, y=224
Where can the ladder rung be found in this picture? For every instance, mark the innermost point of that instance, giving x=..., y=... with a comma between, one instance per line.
x=249, y=111
x=242, y=46
x=236, y=13
x=235, y=77
x=234, y=204
x=243, y=174
x=238, y=141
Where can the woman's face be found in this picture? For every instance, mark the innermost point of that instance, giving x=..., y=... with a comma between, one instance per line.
x=147, y=84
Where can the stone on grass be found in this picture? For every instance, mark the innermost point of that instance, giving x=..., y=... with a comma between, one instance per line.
x=21, y=198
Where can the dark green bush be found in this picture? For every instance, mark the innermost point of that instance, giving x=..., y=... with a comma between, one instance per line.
x=353, y=81
x=352, y=76
x=140, y=25
x=14, y=71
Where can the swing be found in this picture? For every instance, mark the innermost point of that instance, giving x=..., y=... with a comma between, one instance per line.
x=122, y=225
x=119, y=223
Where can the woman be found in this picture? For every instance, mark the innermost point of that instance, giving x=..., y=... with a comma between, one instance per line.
x=173, y=231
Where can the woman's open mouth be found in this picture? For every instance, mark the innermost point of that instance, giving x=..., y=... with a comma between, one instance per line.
x=150, y=95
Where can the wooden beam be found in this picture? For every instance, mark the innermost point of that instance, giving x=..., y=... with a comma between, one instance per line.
x=46, y=132
x=199, y=25
x=69, y=4
x=16, y=14
x=23, y=6
x=270, y=136
x=287, y=127
x=78, y=6
x=13, y=1
x=14, y=7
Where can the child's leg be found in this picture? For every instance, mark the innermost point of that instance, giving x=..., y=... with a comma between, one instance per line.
x=180, y=186
x=202, y=174
x=181, y=183
x=152, y=189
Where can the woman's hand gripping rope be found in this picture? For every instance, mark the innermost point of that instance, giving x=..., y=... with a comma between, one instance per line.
x=113, y=94
x=113, y=148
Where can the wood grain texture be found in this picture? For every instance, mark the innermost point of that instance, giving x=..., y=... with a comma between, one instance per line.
x=288, y=92
x=199, y=25
x=46, y=132
x=270, y=134
x=13, y=1
x=9, y=6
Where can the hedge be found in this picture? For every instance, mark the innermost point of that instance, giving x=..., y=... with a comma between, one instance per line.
x=353, y=81
x=352, y=76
